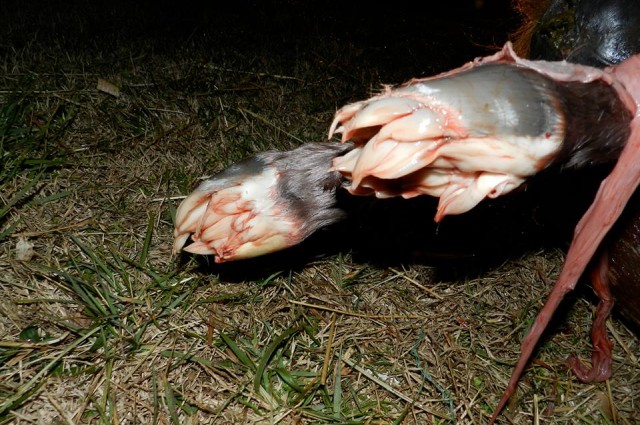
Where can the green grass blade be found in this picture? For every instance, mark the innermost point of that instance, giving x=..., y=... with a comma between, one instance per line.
x=10, y=402
x=403, y=415
x=171, y=404
x=144, y=253
x=21, y=194
x=155, y=399
x=54, y=197
x=241, y=355
x=288, y=379
x=337, y=388
x=268, y=353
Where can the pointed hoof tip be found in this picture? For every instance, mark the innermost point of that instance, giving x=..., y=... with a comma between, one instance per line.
x=179, y=242
x=200, y=249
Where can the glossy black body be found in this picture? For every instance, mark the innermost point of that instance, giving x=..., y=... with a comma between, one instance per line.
x=590, y=32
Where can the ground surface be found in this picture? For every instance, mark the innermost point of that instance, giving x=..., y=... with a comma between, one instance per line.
x=110, y=113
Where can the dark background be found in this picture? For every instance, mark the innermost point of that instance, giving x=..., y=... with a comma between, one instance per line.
x=413, y=35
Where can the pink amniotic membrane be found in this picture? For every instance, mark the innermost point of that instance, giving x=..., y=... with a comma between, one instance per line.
x=611, y=198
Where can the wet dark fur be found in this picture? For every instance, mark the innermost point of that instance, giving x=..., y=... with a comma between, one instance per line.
x=307, y=185
x=597, y=124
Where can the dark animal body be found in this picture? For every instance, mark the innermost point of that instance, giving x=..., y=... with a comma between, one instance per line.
x=623, y=248
x=590, y=32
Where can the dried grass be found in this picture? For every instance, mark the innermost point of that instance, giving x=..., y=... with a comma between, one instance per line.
x=102, y=325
